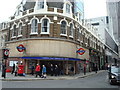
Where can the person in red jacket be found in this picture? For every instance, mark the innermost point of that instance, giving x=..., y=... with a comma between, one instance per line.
x=37, y=70
x=20, y=70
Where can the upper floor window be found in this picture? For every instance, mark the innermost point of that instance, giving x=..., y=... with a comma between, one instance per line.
x=45, y=26
x=78, y=34
x=34, y=26
x=20, y=29
x=63, y=27
x=14, y=33
x=79, y=17
x=67, y=8
x=40, y=4
x=71, y=29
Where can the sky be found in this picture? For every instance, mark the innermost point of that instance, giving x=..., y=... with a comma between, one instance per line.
x=93, y=8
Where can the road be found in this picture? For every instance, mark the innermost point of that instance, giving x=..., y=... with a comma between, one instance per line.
x=99, y=80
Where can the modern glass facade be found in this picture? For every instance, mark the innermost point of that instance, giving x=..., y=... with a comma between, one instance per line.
x=79, y=7
x=110, y=42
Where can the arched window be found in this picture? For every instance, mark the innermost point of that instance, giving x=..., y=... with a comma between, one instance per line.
x=78, y=34
x=71, y=29
x=34, y=26
x=14, y=33
x=20, y=29
x=67, y=8
x=45, y=26
x=63, y=27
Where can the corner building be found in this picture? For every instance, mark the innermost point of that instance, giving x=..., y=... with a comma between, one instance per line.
x=50, y=33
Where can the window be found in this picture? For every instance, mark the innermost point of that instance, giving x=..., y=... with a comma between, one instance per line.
x=40, y=4
x=34, y=26
x=45, y=26
x=18, y=11
x=63, y=27
x=14, y=33
x=78, y=34
x=67, y=8
x=71, y=29
x=20, y=29
x=79, y=17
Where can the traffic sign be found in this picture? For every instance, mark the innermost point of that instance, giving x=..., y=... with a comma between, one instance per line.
x=6, y=52
x=81, y=51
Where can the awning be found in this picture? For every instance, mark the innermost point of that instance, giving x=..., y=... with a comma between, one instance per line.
x=52, y=58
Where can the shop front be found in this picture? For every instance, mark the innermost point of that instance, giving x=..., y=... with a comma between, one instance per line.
x=64, y=64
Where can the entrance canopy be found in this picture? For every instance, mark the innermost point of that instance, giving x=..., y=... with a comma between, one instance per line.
x=52, y=58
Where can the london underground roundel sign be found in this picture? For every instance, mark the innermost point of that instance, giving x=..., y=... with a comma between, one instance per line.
x=81, y=51
x=20, y=48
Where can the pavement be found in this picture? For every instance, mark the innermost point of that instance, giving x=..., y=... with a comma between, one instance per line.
x=11, y=77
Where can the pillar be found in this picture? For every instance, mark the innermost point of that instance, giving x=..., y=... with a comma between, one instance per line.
x=66, y=68
x=26, y=66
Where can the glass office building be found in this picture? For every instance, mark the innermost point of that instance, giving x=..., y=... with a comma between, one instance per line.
x=79, y=7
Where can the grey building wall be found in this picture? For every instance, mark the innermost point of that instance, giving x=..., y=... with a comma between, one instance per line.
x=112, y=10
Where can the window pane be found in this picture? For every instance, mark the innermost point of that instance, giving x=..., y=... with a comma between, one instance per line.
x=45, y=22
x=34, y=26
x=67, y=8
x=71, y=29
x=63, y=27
x=45, y=25
x=20, y=29
x=40, y=4
x=14, y=30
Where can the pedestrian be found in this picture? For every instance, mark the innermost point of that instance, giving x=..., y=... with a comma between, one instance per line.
x=72, y=70
x=37, y=70
x=32, y=69
x=51, y=70
x=4, y=70
x=84, y=69
x=13, y=69
x=21, y=70
x=16, y=69
x=96, y=68
x=56, y=70
x=44, y=72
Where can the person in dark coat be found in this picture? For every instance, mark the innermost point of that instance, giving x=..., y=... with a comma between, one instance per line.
x=84, y=69
x=56, y=69
x=72, y=70
x=96, y=68
x=13, y=69
x=4, y=70
x=32, y=69
x=51, y=70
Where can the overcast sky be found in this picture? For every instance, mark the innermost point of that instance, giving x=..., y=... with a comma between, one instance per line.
x=93, y=8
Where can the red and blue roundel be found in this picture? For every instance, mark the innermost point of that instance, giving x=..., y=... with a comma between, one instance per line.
x=81, y=51
x=20, y=48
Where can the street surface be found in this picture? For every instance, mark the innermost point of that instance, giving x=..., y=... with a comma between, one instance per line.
x=99, y=80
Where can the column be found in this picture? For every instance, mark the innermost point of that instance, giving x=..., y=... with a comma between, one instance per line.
x=26, y=66
x=66, y=68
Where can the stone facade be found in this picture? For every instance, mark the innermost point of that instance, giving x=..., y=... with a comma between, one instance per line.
x=52, y=44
